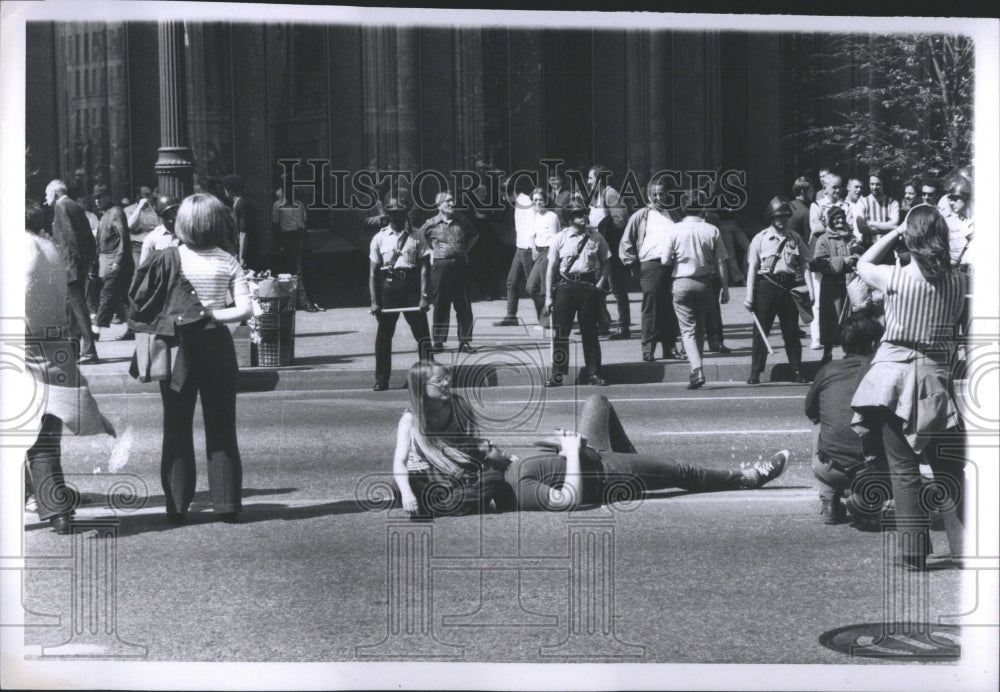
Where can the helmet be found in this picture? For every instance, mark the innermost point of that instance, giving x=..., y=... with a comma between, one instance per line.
x=165, y=203
x=575, y=208
x=779, y=206
x=960, y=187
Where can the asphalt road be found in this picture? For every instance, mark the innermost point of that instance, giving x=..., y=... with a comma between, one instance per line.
x=309, y=575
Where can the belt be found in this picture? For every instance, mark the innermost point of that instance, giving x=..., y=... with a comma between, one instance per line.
x=400, y=272
x=450, y=259
x=580, y=277
x=541, y=248
x=782, y=278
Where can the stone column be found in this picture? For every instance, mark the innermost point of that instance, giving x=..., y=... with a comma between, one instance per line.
x=174, y=165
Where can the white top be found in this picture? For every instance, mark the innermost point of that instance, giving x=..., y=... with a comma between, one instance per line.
x=212, y=273
x=523, y=221
x=654, y=243
x=546, y=226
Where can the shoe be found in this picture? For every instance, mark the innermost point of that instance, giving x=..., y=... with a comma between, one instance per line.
x=753, y=379
x=96, y=336
x=815, y=345
x=620, y=335
x=316, y=307
x=437, y=348
x=723, y=349
x=87, y=358
x=508, y=321
x=310, y=308
x=831, y=511
x=603, y=331
x=765, y=471
x=648, y=358
x=464, y=347
x=554, y=381
x=62, y=524
x=129, y=335
x=31, y=504
x=678, y=354
x=229, y=517
x=177, y=518
x=380, y=387
x=696, y=379
x=799, y=378
x=597, y=380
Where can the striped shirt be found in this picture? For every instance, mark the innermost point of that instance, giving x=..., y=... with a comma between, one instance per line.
x=872, y=210
x=213, y=273
x=922, y=315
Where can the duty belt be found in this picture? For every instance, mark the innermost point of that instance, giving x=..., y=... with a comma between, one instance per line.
x=580, y=277
x=399, y=273
x=782, y=278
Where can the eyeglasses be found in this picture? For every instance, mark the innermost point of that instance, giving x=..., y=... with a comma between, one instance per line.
x=957, y=198
x=927, y=193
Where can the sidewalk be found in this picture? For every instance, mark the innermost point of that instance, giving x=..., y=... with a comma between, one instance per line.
x=335, y=350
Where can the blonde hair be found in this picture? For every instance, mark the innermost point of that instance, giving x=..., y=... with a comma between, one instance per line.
x=203, y=221
x=435, y=446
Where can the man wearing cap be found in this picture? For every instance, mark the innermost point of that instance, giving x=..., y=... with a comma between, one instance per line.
x=71, y=235
x=643, y=243
x=578, y=269
x=399, y=271
x=776, y=259
x=162, y=236
x=142, y=219
x=114, y=259
x=450, y=237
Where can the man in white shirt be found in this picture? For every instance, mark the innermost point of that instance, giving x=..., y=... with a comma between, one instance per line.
x=876, y=214
x=643, y=244
x=609, y=216
x=520, y=266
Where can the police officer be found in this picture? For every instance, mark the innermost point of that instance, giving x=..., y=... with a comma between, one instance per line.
x=399, y=271
x=776, y=258
x=450, y=237
x=578, y=273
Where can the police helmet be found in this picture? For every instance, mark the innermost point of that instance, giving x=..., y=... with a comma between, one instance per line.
x=779, y=206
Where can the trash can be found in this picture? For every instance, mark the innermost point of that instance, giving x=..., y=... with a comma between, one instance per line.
x=272, y=325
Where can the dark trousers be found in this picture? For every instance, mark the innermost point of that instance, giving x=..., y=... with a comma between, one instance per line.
x=92, y=293
x=520, y=269
x=79, y=316
x=292, y=247
x=578, y=300
x=383, y=340
x=536, y=282
x=913, y=502
x=114, y=293
x=659, y=322
x=771, y=302
x=713, y=326
x=45, y=472
x=212, y=374
x=617, y=280
x=450, y=285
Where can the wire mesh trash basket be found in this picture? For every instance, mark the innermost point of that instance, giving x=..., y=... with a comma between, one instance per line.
x=272, y=325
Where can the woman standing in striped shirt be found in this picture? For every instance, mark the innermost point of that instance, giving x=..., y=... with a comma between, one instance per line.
x=203, y=223
x=907, y=395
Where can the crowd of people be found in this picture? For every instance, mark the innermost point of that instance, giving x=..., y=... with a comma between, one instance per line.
x=882, y=278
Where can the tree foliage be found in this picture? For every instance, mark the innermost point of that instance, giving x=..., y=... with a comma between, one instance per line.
x=905, y=102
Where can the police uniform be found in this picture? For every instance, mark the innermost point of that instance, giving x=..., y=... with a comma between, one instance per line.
x=397, y=286
x=449, y=241
x=575, y=294
x=780, y=259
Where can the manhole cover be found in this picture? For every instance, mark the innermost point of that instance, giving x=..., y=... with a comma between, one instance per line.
x=896, y=641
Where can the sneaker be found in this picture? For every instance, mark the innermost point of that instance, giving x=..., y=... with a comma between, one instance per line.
x=31, y=504
x=765, y=471
x=508, y=321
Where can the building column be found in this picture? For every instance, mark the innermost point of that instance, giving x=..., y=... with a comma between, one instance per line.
x=174, y=165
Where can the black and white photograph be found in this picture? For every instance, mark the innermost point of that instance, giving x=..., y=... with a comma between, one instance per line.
x=391, y=348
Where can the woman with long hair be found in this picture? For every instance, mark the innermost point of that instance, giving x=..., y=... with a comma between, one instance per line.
x=442, y=466
x=907, y=395
x=181, y=293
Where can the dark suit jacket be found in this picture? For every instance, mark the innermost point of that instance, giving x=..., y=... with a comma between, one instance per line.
x=71, y=234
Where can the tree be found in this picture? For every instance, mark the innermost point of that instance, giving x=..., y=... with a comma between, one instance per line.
x=900, y=101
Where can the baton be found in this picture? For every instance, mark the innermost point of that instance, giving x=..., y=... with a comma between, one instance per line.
x=400, y=309
x=763, y=336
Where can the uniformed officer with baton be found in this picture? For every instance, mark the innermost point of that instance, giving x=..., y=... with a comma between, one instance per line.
x=575, y=285
x=398, y=282
x=776, y=258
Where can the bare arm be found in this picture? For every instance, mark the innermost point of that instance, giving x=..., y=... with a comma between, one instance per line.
x=553, y=270
x=242, y=309
x=875, y=275
x=399, y=472
x=568, y=496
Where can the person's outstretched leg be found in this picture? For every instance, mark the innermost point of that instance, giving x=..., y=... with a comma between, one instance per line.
x=599, y=423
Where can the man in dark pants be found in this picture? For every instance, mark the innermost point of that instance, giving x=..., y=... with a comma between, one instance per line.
x=71, y=234
x=399, y=264
x=641, y=247
x=776, y=258
x=450, y=237
x=114, y=252
x=578, y=270
x=609, y=216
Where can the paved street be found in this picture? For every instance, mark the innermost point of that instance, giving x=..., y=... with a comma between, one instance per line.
x=749, y=576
